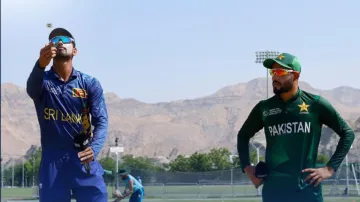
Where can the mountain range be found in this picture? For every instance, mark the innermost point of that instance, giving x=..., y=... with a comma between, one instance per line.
x=166, y=129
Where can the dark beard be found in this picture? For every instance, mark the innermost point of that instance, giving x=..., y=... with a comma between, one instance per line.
x=285, y=87
x=62, y=57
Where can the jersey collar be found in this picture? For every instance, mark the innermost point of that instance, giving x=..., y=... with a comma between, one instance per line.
x=296, y=96
x=53, y=74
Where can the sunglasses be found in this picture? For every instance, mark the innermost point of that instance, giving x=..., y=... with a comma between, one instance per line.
x=281, y=72
x=63, y=39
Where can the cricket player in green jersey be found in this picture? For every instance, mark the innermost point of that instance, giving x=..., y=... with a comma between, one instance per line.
x=292, y=120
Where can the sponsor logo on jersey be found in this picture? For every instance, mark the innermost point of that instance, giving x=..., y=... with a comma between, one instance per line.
x=78, y=92
x=271, y=112
x=290, y=128
x=53, y=90
x=304, y=108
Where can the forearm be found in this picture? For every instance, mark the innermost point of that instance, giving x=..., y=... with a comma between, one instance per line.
x=35, y=81
x=330, y=117
x=99, y=116
x=251, y=126
x=127, y=193
x=342, y=149
x=100, y=133
x=243, y=149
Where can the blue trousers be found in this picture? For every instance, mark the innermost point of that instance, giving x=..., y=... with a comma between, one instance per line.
x=137, y=196
x=62, y=175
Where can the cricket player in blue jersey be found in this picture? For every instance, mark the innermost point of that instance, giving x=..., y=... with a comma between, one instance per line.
x=65, y=99
x=133, y=188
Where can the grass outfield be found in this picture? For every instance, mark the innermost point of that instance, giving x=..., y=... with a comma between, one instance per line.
x=189, y=193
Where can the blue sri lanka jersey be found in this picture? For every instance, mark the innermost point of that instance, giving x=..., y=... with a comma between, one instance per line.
x=136, y=184
x=65, y=109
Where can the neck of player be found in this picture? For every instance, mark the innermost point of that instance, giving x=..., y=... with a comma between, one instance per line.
x=63, y=69
x=291, y=93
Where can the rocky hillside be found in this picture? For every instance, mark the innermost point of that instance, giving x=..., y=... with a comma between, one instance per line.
x=165, y=130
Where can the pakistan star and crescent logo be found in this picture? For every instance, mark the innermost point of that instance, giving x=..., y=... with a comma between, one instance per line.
x=304, y=107
x=280, y=57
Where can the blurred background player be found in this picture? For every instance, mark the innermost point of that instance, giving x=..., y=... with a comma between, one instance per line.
x=292, y=120
x=65, y=99
x=139, y=179
x=133, y=188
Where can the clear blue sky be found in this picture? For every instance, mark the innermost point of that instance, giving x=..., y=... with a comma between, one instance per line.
x=167, y=50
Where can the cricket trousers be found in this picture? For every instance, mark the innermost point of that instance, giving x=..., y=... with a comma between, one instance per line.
x=62, y=175
x=280, y=191
x=137, y=196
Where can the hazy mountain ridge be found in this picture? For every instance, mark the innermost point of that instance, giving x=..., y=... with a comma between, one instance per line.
x=168, y=129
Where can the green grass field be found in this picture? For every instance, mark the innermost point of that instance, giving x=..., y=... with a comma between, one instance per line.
x=224, y=193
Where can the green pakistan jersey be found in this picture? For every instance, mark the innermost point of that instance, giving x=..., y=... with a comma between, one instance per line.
x=293, y=131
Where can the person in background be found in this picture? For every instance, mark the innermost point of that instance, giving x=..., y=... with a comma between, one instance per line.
x=133, y=188
x=139, y=179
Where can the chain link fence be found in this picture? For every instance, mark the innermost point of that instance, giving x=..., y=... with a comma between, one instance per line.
x=20, y=180
x=233, y=183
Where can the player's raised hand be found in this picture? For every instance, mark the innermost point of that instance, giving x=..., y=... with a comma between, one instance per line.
x=46, y=54
x=250, y=171
x=317, y=175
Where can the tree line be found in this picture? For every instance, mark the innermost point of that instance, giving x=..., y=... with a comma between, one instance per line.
x=214, y=160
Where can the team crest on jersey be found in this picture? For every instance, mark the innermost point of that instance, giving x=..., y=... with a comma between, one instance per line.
x=304, y=108
x=78, y=92
x=272, y=112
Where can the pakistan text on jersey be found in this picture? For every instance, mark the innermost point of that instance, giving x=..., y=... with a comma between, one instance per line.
x=55, y=114
x=290, y=128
